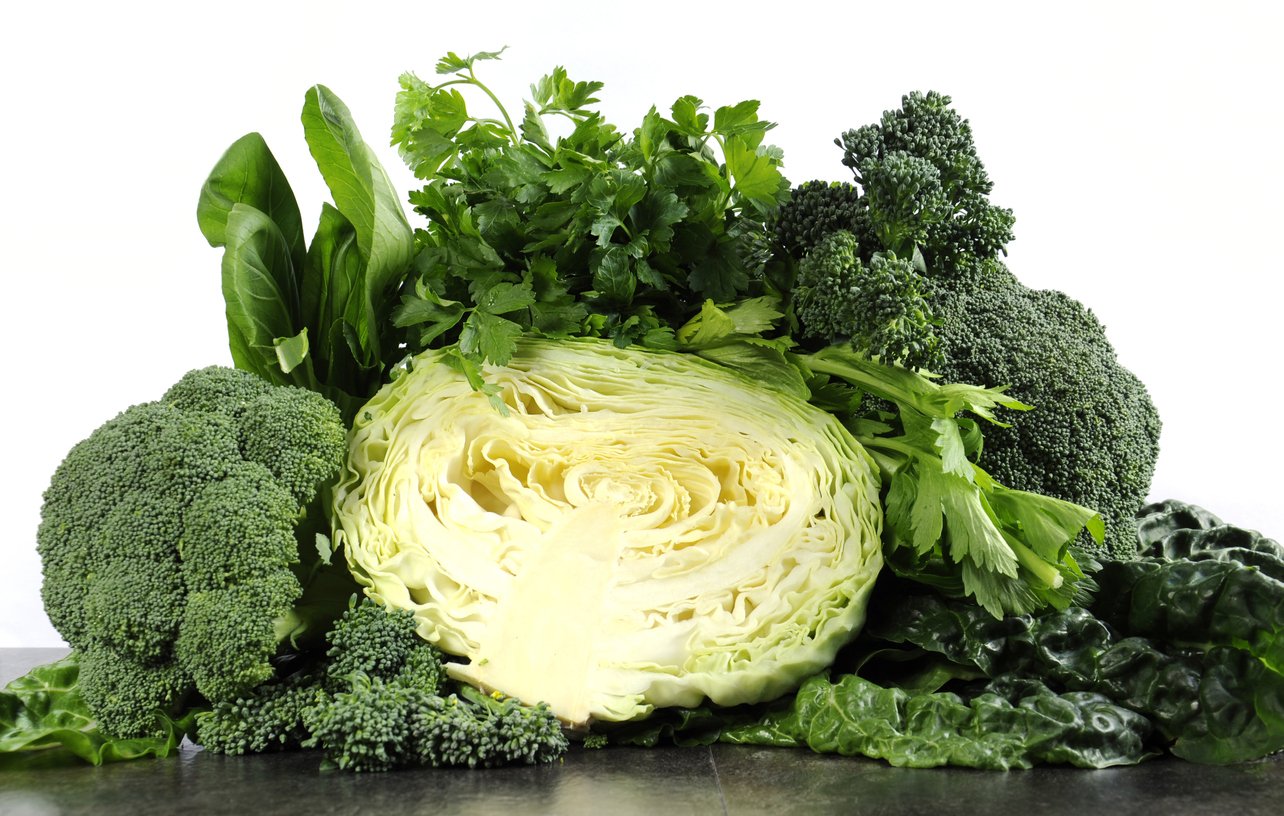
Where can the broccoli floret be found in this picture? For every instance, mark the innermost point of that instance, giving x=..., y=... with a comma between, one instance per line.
x=816, y=209
x=1093, y=436
x=215, y=390
x=475, y=730
x=125, y=695
x=906, y=201
x=169, y=546
x=947, y=214
x=368, y=647
x=423, y=669
x=378, y=643
x=370, y=726
x=269, y=718
x=294, y=438
x=876, y=306
x=388, y=707
x=380, y=700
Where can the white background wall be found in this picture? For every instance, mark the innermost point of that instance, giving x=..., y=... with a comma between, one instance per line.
x=1138, y=142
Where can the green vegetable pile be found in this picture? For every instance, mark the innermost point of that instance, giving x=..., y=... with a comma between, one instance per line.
x=627, y=440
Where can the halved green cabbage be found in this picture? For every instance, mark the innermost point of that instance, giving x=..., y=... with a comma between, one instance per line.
x=640, y=529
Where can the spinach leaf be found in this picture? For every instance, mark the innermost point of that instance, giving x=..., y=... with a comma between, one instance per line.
x=1012, y=723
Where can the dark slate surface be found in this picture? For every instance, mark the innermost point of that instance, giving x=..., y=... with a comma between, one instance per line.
x=660, y=782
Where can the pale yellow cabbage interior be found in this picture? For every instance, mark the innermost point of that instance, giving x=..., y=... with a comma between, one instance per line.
x=642, y=529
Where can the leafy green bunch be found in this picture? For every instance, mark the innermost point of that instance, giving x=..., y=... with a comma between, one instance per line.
x=563, y=225
x=311, y=314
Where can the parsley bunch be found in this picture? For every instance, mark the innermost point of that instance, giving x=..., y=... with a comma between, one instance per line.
x=591, y=232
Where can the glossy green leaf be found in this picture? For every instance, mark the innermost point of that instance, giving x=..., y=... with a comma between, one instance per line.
x=365, y=196
x=1013, y=724
x=44, y=722
x=258, y=292
x=248, y=173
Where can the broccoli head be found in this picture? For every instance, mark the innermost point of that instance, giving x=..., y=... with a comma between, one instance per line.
x=170, y=542
x=925, y=183
x=1093, y=436
x=877, y=306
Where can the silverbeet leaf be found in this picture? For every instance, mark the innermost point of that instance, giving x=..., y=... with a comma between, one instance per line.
x=1012, y=724
x=44, y=722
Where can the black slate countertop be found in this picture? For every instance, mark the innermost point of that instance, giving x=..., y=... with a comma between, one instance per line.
x=721, y=779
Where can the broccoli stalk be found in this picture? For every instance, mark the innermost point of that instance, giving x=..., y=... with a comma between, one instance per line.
x=170, y=540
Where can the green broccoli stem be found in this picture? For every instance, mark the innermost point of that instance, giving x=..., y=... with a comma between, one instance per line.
x=480, y=698
x=328, y=586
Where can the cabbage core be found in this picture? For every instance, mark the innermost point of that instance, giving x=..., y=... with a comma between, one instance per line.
x=638, y=529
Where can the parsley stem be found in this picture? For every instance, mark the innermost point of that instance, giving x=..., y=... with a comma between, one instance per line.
x=472, y=80
x=512, y=131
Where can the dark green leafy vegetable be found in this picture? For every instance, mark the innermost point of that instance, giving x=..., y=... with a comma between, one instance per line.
x=1210, y=585
x=1012, y=724
x=315, y=316
x=1217, y=705
x=1188, y=635
x=45, y=722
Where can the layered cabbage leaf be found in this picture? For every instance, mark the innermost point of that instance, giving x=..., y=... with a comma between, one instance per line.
x=610, y=530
